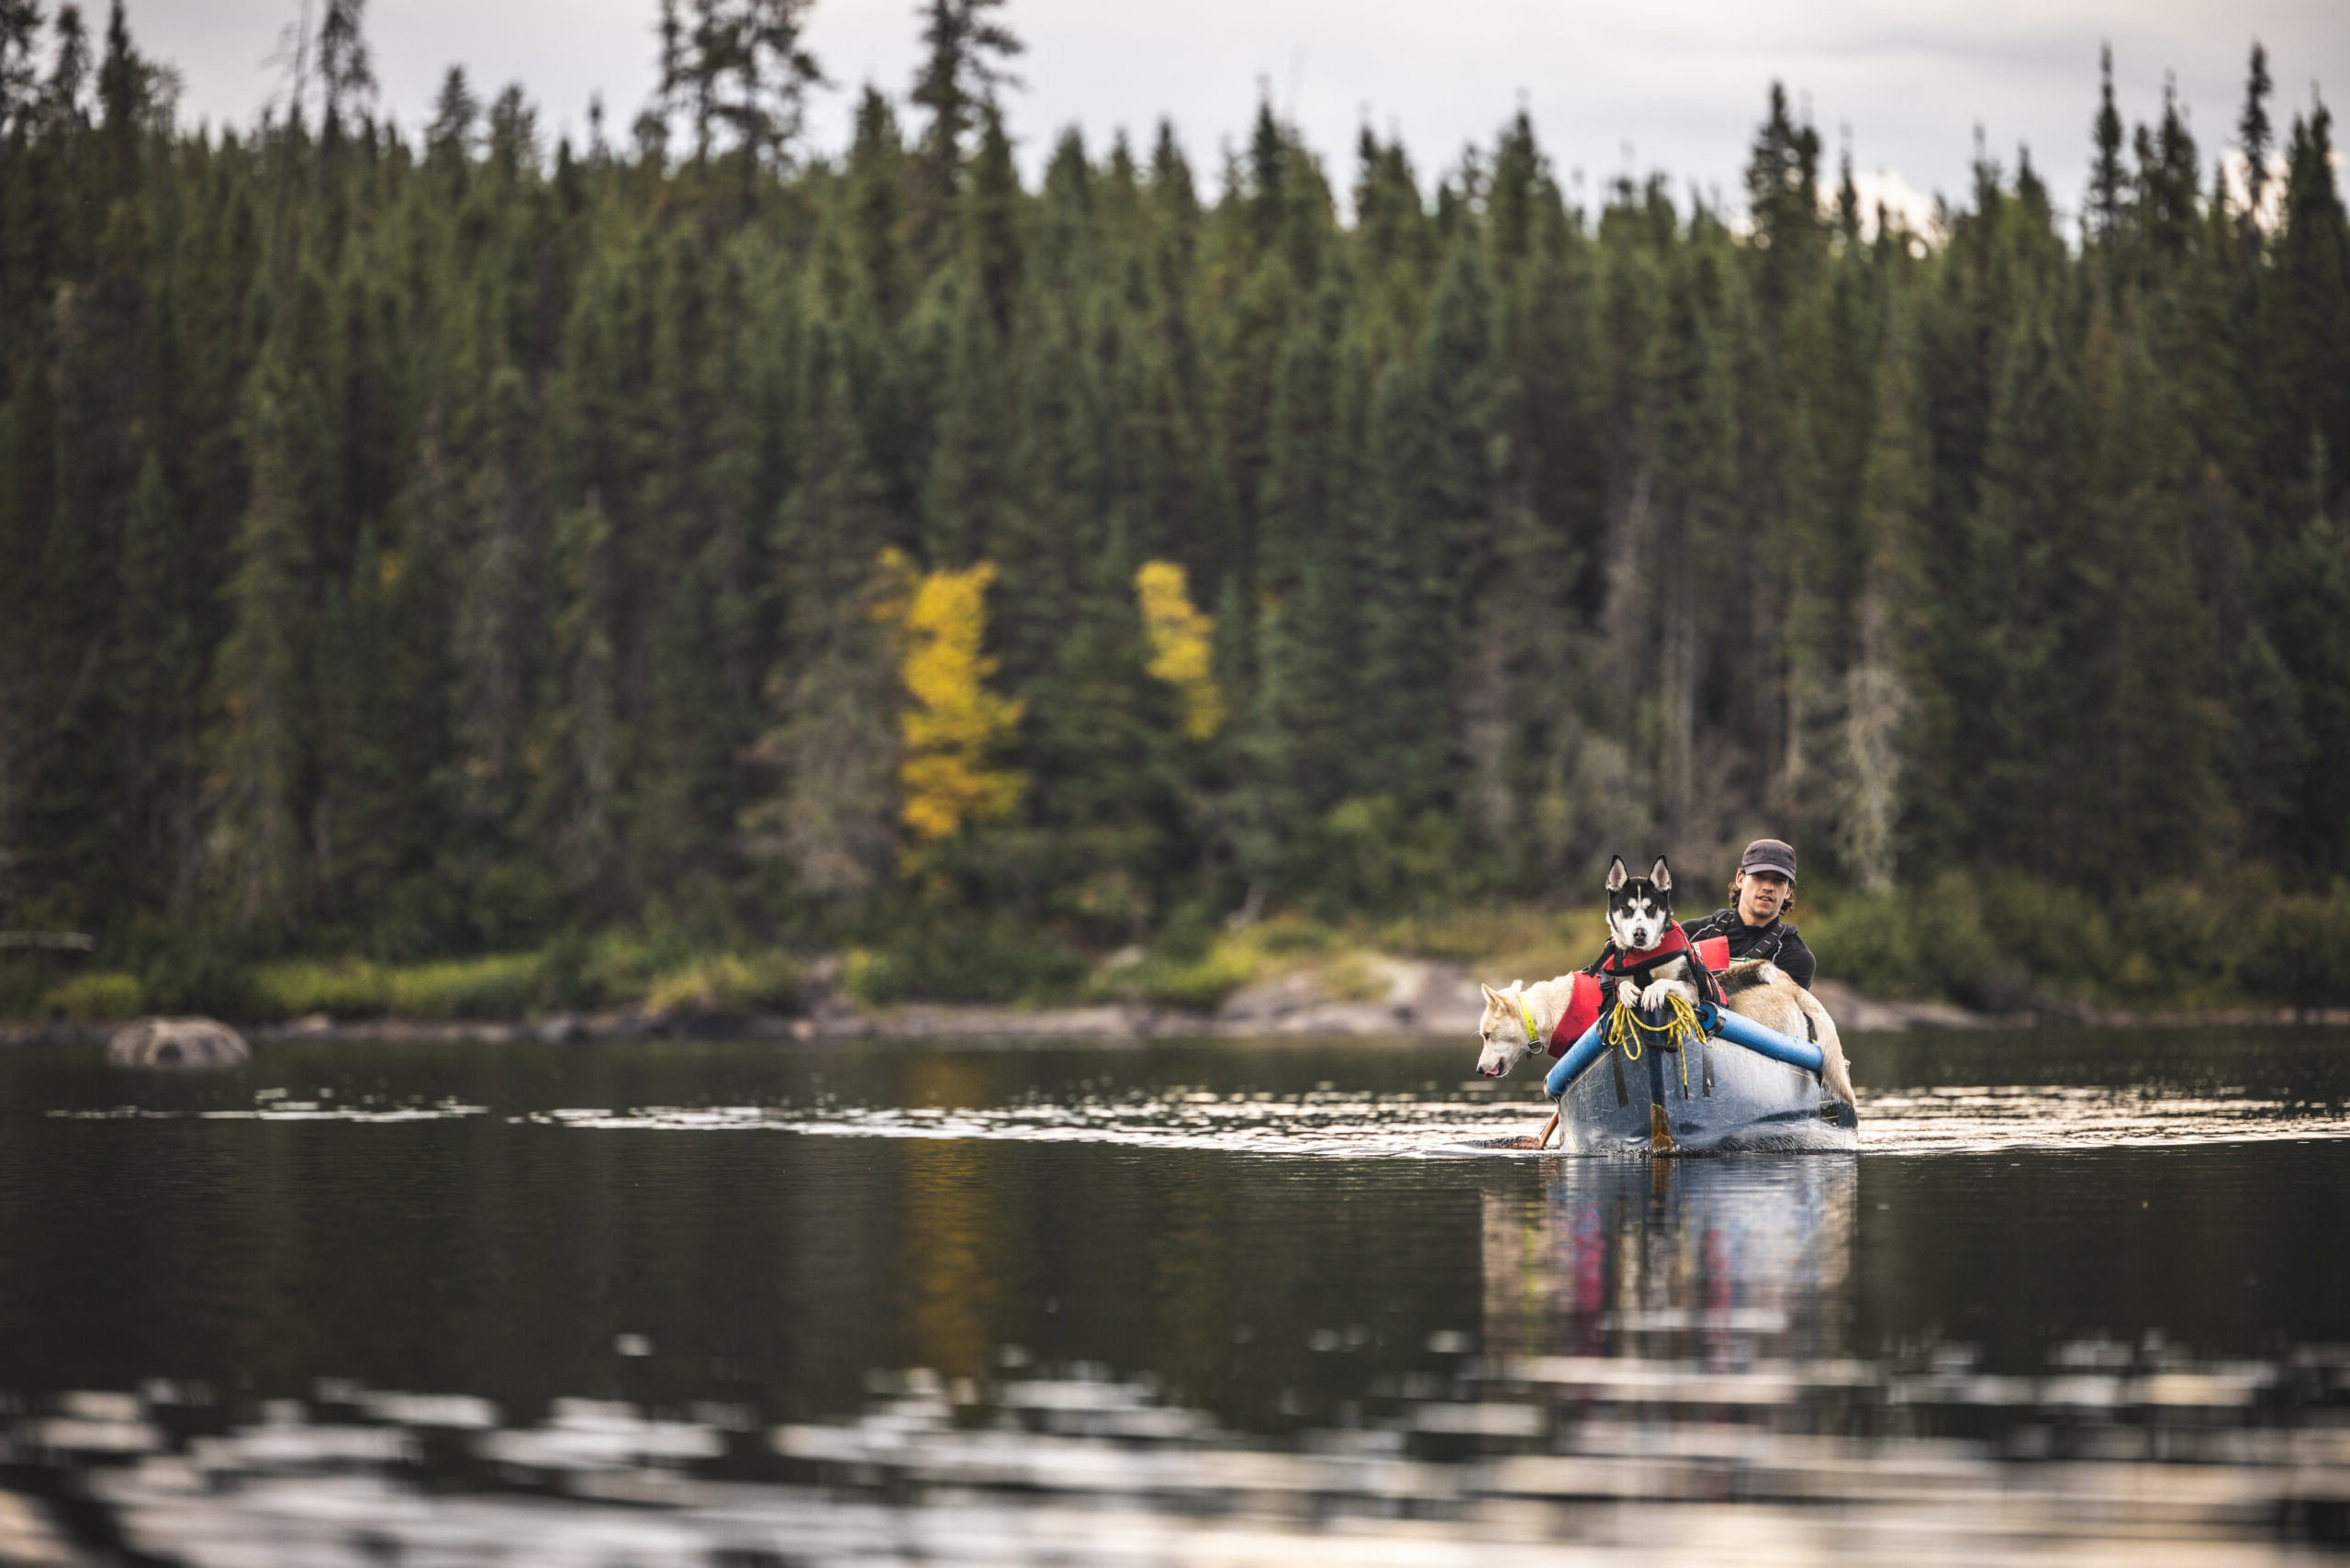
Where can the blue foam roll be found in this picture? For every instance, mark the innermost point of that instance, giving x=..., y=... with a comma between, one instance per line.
x=1580, y=1055
x=1746, y=1032
x=1732, y=1027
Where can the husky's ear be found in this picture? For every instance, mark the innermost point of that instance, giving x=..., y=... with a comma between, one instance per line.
x=1662, y=875
x=1617, y=875
x=1493, y=996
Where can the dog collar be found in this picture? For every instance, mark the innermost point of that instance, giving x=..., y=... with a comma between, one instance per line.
x=1533, y=1036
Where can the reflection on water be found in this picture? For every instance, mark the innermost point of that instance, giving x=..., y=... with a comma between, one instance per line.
x=1184, y=1303
x=1718, y=1262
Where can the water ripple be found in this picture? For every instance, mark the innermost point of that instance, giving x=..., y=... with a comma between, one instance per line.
x=278, y=1111
x=1909, y=1121
x=1546, y=1459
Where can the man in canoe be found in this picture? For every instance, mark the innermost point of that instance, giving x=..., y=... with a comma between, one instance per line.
x=1761, y=895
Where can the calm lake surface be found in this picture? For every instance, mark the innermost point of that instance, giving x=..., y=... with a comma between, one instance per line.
x=2082, y=1295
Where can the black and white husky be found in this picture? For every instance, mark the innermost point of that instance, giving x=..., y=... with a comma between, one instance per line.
x=1646, y=948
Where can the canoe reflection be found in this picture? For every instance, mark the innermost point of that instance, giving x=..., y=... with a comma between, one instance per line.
x=1722, y=1261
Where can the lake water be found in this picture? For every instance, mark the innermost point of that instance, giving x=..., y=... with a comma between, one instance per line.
x=2082, y=1296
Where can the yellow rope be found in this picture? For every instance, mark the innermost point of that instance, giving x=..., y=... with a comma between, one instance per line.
x=1627, y=1028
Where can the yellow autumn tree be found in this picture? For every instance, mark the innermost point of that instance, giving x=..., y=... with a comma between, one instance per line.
x=1180, y=648
x=956, y=722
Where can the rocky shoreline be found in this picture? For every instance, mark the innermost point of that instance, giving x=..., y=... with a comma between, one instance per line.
x=1417, y=998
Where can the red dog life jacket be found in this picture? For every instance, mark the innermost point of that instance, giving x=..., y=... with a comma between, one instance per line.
x=1591, y=990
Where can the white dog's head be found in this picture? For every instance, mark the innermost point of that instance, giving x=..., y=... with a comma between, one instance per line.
x=1503, y=1029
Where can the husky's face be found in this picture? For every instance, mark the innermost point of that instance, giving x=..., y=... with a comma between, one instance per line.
x=1502, y=1030
x=1639, y=909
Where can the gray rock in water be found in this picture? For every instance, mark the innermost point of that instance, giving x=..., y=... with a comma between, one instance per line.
x=177, y=1043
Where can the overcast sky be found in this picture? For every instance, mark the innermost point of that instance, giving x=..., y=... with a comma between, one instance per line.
x=1610, y=83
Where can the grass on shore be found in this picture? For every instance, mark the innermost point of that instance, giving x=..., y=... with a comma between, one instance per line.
x=614, y=971
x=1500, y=942
x=994, y=962
x=1997, y=944
x=2008, y=943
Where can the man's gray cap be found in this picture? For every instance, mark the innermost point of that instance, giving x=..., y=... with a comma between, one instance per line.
x=1770, y=855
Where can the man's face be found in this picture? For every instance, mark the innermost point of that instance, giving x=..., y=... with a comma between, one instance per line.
x=1761, y=896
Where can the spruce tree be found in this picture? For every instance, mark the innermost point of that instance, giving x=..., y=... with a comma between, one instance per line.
x=2253, y=139
x=2166, y=200
x=20, y=23
x=827, y=806
x=2107, y=180
x=1880, y=685
x=2306, y=332
x=1783, y=203
x=2000, y=578
x=992, y=220
x=158, y=673
x=965, y=51
x=877, y=175
x=2305, y=427
x=255, y=853
x=2143, y=726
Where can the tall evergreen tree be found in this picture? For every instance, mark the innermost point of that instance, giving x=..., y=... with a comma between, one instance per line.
x=256, y=848
x=964, y=52
x=831, y=752
x=2107, y=180
x=2255, y=139
x=1880, y=686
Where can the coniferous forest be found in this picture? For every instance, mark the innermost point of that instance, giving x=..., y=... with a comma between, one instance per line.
x=484, y=542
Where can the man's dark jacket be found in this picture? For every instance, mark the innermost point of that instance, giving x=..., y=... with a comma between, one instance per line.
x=1777, y=941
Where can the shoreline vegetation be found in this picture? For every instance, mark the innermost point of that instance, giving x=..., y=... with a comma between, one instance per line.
x=1959, y=954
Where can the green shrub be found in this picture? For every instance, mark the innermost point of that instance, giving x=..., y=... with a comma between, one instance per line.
x=503, y=986
x=1289, y=932
x=2063, y=938
x=1365, y=854
x=2014, y=942
x=1570, y=941
x=25, y=979
x=726, y=982
x=345, y=988
x=1932, y=943
x=97, y=996
x=621, y=967
x=2300, y=953
x=201, y=970
x=1189, y=930
x=991, y=962
x=1354, y=976
x=572, y=972
x=1476, y=934
x=2183, y=942
x=564, y=974
x=615, y=969
x=1197, y=983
